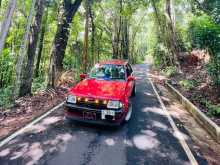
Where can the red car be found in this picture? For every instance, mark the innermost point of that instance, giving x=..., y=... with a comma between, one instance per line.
x=103, y=96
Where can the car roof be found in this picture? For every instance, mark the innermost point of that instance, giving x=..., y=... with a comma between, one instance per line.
x=114, y=62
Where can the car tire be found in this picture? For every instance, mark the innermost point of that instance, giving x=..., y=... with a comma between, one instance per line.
x=129, y=114
x=133, y=91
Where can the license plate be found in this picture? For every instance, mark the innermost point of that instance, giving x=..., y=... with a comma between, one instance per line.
x=89, y=115
x=107, y=113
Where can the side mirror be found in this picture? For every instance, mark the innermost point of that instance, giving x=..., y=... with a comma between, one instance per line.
x=83, y=76
x=131, y=78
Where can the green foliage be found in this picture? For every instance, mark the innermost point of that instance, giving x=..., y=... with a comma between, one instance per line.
x=212, y=109
x=160, y=55
x=183, y=38
x=5, y=95
x=6, y=69
x=169, y=71
x=187, y=84
x=205, y=34
x=211, y=8
x=145, y=37
x=39, y=84
x=214, y=71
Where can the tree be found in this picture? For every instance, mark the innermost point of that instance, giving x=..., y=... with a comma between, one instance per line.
x=86, y=38
x=93, y=33
x=26, y=83
x=117, y=22
x=41, y=44
x=6, y=23
x=22, y=51
x=210, y=7
x=132, y=38
x=125, y=39
x=169, y=13
x=166, y=48
x=60, y=41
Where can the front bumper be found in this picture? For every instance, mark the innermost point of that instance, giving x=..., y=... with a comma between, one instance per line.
x=75, y=112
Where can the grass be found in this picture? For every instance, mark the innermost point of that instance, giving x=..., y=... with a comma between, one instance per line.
x=187, y=84
x=169, y=71
x=38, y=84
x=5, y=97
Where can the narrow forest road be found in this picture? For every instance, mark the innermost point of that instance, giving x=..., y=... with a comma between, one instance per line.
x=147, y=139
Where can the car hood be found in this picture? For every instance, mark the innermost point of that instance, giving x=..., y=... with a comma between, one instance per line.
x=100, y=89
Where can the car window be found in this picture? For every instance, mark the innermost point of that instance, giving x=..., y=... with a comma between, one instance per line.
x=108, y=72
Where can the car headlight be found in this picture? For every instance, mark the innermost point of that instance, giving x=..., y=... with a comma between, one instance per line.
x=71, y=99
x=114, y=104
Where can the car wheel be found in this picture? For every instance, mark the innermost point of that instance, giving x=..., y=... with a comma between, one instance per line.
x=133, y=91
x=128, y=116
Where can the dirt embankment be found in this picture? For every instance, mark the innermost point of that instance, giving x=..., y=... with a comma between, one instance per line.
x=30, y=107
x=27, y=108
x=194, y=82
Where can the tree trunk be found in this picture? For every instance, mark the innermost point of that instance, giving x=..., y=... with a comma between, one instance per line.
x=41, y=44
x=115, y=40
x=134, y=33
x=60, y=41
x=163, y=33
x=86, y=37
x=171, y=28
x=6, y=23
x=91, y=14
x=117, y=32
x=125, y=39
x=99, y=45
x=157, y=17
x=22, y=51
x=26, y=83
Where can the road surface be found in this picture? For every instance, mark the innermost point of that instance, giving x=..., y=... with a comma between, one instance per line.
x=148, y=138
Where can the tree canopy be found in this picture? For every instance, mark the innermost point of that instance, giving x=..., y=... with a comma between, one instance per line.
x=42, y=39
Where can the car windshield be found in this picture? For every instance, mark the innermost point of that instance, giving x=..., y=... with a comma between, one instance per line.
x=108, y=72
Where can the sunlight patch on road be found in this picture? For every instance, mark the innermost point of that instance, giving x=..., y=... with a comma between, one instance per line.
x=65, y=137
x=60, y=138
x=21, y=152
x=159, y=125
x=148, y=94
x=154, y=110
x=145, y=142
x=149, y=133
x=42, y=126
x=4, y=152
x=51, y=120
x=110, y=141
x=35, y=153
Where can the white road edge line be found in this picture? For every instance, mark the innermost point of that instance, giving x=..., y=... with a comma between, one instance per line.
x=176, y=130
x=21, y=130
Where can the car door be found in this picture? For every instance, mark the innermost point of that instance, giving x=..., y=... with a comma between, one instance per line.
x=130, y=84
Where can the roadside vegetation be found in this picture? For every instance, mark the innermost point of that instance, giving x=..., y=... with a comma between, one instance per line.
x=190, y=57
x=46, y=44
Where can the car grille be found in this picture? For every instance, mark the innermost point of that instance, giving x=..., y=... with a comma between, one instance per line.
x=91, y=103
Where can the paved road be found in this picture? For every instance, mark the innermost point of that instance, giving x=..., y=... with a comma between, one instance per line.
x=147, y=139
